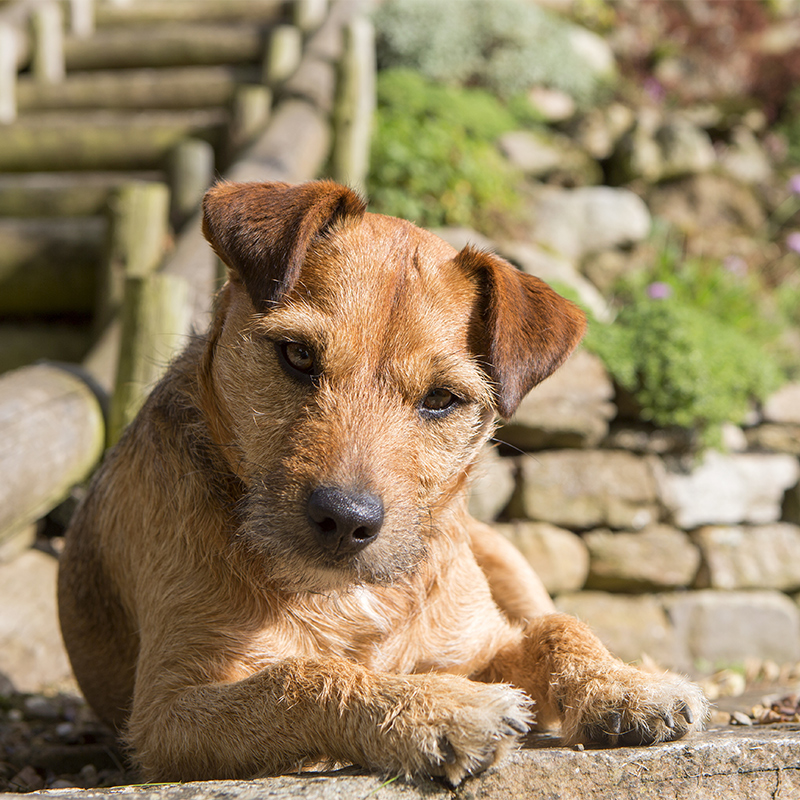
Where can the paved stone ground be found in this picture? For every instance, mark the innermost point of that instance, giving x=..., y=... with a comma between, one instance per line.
x=725, y=762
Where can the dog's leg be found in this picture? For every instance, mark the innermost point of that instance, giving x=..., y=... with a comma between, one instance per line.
x=300, y=710
x=516, y=588
x=597, y=698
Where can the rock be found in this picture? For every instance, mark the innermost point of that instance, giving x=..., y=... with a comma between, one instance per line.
x=630, y=626
x=685, y=150
x=744, y=158
x=551, y=104
x=763, y=557
x=558, y=557
x=784, y=405
x=557, y=271
x=492, y=485
x=576, y=222
x=594, y=51
x=720, y=629
x=461, y=237
x=599, y=130
x=31, y=653
x=570, y=409
x=774, y=438
x=654, y=559
x=706, y=203
x=583, y=489
x=642, y=438
x=726, y=489
x=543, y=154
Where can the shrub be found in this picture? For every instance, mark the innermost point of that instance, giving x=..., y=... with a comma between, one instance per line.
x=434, y=159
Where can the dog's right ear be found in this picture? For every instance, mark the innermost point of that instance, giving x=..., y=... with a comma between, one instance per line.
x=263, y=231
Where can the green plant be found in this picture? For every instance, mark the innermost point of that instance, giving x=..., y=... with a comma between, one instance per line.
x=434, y=159
x=504, y=45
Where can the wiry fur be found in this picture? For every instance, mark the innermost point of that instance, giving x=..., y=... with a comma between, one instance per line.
x=200, y=612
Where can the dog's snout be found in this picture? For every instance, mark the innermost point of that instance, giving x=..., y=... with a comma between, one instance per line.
x=344, y=521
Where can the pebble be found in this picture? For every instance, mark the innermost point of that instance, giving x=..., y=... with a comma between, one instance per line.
x=740, y=718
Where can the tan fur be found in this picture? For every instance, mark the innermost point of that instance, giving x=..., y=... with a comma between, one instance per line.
x=223, y=631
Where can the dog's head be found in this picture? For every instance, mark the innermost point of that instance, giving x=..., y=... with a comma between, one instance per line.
x=355, y=368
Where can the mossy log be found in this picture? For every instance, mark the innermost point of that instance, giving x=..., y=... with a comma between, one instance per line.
x=102, y=140
x=157, y=11
x=50, y=266
x=23, y=343
x=64, y=194
x=168, y=88
x=167, y=45
x=52, y=430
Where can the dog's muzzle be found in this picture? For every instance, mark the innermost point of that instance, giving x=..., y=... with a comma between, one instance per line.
x=344, y=522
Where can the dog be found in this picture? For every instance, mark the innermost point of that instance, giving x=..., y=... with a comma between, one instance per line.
x=275, y=566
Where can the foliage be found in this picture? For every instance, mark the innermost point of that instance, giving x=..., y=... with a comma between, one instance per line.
x=506, y=46
x=692, y=344
x=434, y=159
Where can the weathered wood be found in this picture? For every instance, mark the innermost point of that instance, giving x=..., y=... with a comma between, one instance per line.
x=24, y=343
x=167, y=45
x=102, y=140
x=355, y=105
x=155, y=323
x=50, y=266
x=8, y=74
x=283, y=55
x=48, y=43
x=168, y=88
x=65, y=194
x=148, y=12
x=52, y=430
x=139, y=231
x=308, y=15
x=191, y=172
x=251, y=110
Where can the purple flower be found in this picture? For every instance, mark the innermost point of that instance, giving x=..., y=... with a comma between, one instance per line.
x=654, y=90
x=793, y=241
x=660, y=290
x=794, y=183
x=736, y=265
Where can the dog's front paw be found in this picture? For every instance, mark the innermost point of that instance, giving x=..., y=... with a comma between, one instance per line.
x=450, y=727
x=626, y=706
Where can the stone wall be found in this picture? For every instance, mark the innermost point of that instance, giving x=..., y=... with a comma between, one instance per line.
x=690, y=558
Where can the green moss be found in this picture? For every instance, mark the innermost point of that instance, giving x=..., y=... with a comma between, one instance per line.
x=434, y=159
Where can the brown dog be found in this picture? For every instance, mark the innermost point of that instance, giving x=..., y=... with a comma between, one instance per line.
x=275, y=566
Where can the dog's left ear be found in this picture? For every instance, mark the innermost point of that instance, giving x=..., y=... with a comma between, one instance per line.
x=263, y=231
x=525, y=331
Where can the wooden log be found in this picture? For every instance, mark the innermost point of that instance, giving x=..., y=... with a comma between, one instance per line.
x=155, y=324
x=149, y=12
x=8, y=74
x=48, y=43
x=138, y=237
x=191, y=172
x=251, y=110
x=51, y=426
x=168, y=88
x=24, y=343
x=355, y=105
x=50, y=266
x=81, y=17
x=66, y=194
x=102, y=140
x=308, y=15
x=165, y=46
x=283, y=54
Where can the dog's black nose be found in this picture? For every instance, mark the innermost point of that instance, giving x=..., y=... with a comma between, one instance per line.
x=344, y=522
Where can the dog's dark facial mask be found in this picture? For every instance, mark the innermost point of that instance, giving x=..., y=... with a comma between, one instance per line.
x=360, y=362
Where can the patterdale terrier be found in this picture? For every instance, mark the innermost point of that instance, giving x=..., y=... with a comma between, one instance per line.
x=275, y=566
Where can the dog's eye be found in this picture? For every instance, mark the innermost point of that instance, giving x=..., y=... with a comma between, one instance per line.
x=438, y=400
x=299, y=359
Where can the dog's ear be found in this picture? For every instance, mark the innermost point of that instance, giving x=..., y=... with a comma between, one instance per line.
x=263, y=231
x=524, y=330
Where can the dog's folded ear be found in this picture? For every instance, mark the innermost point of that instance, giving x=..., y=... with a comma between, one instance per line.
x=263, y=231
x=524, y=329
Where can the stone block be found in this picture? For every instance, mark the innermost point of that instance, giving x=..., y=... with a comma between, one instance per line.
x=775, y=438
x=718, y=629
x=656, y=558
x=726, y=489
x=630, y=626
x=784, y=405
x=763, y=557
x=492, y=485
x=559, y=557
x=584, y=489
x=572, y=408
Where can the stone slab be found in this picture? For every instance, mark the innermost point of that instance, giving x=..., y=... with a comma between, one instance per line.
x=751, y=763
